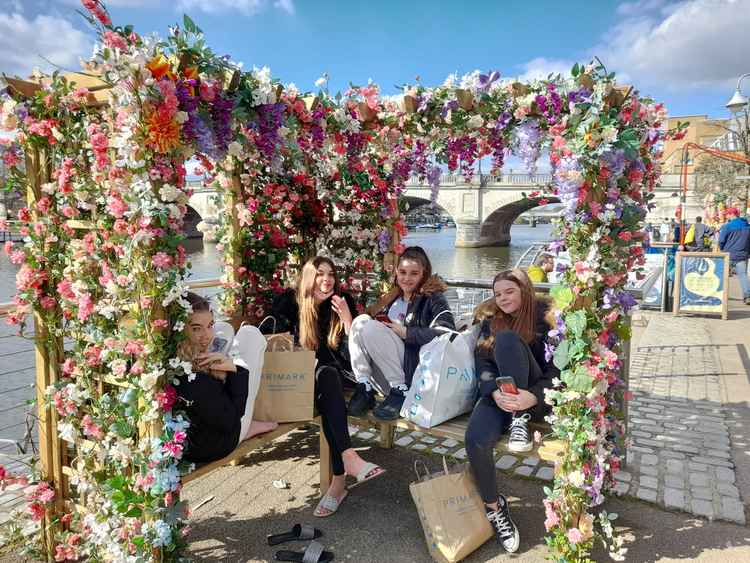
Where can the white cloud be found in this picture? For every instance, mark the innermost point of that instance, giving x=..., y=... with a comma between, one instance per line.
x=26, y=42
x=689, y=44
x=692, y=44
x=542, y=68
x=285, y=5
x=247, y=7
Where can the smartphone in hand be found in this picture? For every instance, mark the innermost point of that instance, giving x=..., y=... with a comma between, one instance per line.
x=506, y=385
x=382, y=317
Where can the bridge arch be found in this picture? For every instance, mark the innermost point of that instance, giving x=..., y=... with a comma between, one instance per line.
x=415, y=202
x=495, y=229
x=192, y=218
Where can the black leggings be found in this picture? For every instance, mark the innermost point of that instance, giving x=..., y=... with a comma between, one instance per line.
x=488, y=422
x=329, y=399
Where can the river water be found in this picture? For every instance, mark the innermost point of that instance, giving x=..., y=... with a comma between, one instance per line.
x=447, y=260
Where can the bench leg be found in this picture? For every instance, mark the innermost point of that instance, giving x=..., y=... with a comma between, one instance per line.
x=386, y=435
x=325, y=462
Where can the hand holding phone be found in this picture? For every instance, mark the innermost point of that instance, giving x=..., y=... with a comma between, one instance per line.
x=382, y=317
x=506, y=384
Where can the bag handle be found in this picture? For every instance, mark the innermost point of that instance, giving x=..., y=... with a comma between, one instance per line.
x=280, y=343
x=432, y=324
x=417, y=464
x=260, y=324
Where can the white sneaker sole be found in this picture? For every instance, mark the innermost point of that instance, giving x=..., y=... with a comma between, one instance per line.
x=520, y=448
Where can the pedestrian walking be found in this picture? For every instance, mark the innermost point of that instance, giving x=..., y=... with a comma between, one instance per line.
x=734, y=238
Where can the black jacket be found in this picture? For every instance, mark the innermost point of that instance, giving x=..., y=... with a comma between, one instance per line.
x=486, y=368
x=286, y=312
x=422, y=310
x=215, y=411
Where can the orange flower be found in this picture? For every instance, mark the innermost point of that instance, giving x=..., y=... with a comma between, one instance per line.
x=163, y=132
x=190, y=72
x=159, y=67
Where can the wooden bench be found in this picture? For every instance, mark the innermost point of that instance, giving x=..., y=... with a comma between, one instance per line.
x=243, y=450
x=454, y=429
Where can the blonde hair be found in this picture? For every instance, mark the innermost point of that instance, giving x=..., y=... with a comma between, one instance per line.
x=308, y=308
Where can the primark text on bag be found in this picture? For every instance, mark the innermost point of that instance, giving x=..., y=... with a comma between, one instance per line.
x=287, y=382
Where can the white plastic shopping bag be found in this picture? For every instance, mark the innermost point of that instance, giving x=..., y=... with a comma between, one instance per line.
x=444, y=385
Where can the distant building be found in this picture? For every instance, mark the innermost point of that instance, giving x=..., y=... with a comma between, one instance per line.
x=700, y=130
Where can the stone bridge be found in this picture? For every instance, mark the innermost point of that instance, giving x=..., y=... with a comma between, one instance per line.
x=485, y=208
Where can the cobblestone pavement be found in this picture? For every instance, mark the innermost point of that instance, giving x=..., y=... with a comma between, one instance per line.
x=680, y=455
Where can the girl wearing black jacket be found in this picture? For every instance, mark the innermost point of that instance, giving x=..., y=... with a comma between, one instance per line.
x=409, y=316
x=319, y=314
x=511, y=343
x=219, y=400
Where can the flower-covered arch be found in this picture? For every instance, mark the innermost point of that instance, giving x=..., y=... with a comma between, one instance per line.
x=103, y=263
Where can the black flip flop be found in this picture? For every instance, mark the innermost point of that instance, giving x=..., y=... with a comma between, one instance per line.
x=313, y=554
x=298, y=532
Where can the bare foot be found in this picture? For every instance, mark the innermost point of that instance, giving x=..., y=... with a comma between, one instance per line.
x=353, y=464
x=259, y=427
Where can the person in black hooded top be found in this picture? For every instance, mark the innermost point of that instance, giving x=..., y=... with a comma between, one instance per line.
x=513, y=332
x=219, y=400
x=319, y=314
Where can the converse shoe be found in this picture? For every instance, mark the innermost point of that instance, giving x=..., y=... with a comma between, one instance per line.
x=505, y=530
x=390, y=408
x=520, y=437
x=362, y=400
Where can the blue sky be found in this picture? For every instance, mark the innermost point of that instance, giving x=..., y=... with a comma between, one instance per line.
x=686, y=53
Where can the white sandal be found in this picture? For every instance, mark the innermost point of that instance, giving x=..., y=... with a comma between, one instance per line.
x=329, y=503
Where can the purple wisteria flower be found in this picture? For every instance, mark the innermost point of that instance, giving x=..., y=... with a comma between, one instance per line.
x=568, y=181
x=486, y=80
x=384, y=241
x=433, y=178
x=527, y=144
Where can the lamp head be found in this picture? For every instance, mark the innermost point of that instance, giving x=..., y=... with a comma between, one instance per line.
x=737, y=103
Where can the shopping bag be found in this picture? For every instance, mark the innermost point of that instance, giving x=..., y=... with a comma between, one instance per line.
x=451, y=512
x=287, y=383
x=444, y=385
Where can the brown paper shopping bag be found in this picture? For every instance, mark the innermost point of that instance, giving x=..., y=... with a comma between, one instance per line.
x=451, y=512
x=287, y=382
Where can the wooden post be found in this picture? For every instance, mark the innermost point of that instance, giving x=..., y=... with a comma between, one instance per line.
x=47, y=362
x=235, y=258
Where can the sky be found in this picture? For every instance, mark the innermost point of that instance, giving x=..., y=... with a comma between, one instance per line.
x=686, y=53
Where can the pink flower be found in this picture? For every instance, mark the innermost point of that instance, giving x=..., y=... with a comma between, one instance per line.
x=574, y=536
x=160, y=323
x=551, y=518
x=167, y=398
x=17, y=257
x=90, y=428
x=162, y=260
x=114, y=40
x=36, y=510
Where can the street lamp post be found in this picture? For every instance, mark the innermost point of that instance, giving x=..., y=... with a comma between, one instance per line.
x=739, y=106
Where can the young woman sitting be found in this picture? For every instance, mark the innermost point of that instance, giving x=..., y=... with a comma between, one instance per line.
x=385, y=349
x=511, y=344
x=320, y=316
x=219, y=400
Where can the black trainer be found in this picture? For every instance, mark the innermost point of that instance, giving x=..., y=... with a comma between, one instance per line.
x=519, y=439
x=390, y=408
x=505, y=530
x=362, y=400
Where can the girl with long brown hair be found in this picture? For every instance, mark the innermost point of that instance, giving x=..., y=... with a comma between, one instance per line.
x=385, y=344
x=319, y=313
x=513, y=372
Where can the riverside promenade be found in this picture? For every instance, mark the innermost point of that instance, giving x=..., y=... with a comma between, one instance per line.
x=683, y=496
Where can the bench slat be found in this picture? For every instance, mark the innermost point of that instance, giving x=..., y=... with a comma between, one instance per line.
x=243, y=450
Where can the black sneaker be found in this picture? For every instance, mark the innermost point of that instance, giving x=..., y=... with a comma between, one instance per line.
x=505, y=530
x=362, y=400
x=390, y=408
x=520, y=437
